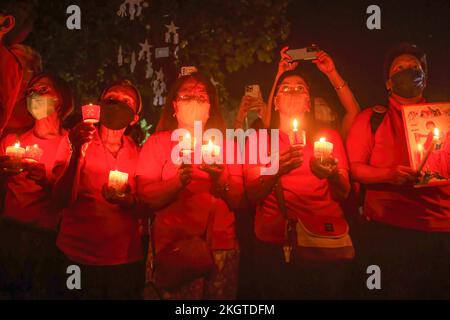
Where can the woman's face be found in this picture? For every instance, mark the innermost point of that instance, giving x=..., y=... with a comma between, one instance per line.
x=292, y=97
x=122, y=94
x=192, y=103
x=42, y=98
x=120, y=107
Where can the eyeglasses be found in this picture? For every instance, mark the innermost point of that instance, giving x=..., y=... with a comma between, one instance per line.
x=40, y=91
x=285, y=89
x=202, y=98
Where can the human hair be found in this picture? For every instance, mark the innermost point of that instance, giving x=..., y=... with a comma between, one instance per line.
x=23, y=12
x=401, y=49
x=309, y=116
x=62, y=88
x=134, y=131
x=168, y=122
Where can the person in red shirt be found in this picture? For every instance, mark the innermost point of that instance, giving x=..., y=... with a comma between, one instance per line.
x=311, y=190
x=29, y=218
x=100, y=227
x=16, y=22
x=191, y=200
x=407, y=232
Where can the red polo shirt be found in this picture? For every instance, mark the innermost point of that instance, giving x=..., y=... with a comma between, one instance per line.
x=26, y=201
x=94, y=231
x=425, y=209
x=304, y=193
x=10, y=83
x=187, y=215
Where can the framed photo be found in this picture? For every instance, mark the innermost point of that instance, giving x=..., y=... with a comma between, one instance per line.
x=427, y=129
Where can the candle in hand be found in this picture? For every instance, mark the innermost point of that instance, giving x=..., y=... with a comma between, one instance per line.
x=209, y=152
x=33, y=153
x=91, y=113
x=118, y=180
x=436, y=140
x=322, y=149
x=297, y=137
x=15, y=152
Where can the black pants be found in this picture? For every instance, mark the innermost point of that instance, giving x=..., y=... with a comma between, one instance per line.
x=28, y=260
x=414, y=264
x=116, y=282
x=278, y=280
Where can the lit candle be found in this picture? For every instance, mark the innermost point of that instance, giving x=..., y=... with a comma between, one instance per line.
x=209, y=152
x=91, y=113
x=322, y=149
x=118, y=180
x=15, y=152
x=297, y=137
x=187, y=147
x=33, y=153
x=420, y=151
x=436, y=140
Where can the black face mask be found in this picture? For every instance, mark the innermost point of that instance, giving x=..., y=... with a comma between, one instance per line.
x=408, y=83
x=115, y=115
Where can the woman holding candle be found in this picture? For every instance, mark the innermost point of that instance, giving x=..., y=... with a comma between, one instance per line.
x=95, y=186
x=29, y=218
x=407, y=233
x=190, y=199
x=312, y=189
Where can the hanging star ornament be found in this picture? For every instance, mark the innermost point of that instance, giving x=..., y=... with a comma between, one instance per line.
x=145, y=50
x=160, y=75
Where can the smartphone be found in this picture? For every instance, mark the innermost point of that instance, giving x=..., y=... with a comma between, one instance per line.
x=308, y=53
x=253, y=91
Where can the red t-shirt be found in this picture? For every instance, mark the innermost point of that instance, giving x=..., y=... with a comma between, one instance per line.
x=188, y=214
x=304, y=193
x=94, y=231
x=10, y=83
x=425, y=209
x=26, y=201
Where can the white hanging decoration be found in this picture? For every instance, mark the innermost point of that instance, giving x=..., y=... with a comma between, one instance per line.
x=134, y=7
x=160, y=75
x=120, y=57
x=145, y=50
x=214, y=82
x=159, y=88
x=175, y=52
x=133, y=62
x=172, y=31
x=149, y=69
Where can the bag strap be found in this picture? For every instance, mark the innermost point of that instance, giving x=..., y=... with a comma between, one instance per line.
x=290, y=236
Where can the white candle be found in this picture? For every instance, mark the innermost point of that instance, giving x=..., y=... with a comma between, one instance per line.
x=209, y=152
x=15, y=152
x=33, y=153
x=322, y=149
x=297, y=137
x=436, y=140
x=420, y=151
x=118, y=180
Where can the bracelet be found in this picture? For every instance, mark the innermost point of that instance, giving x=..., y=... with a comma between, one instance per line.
x=341, y=86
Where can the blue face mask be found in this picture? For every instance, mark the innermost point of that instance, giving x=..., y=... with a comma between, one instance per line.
x=408, y=83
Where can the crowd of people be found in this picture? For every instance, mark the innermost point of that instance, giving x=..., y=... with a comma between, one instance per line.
x=310, y=231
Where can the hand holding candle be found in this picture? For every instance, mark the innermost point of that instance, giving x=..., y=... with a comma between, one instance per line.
x=209, y=152
x=91, y=113
x=322, y=149
x=33, y=153
x=15, y=154
x=118, y=181
x=436, y=140
x=297, y=136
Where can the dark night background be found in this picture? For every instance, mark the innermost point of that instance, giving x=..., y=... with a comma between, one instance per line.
x=338, y=27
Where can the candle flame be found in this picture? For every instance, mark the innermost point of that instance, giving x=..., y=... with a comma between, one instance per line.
x=436, y=132
x=17, y=145
x=322, y=139
x=295, y=124
x=420, y=147
x=35, y=146
x=210, y=144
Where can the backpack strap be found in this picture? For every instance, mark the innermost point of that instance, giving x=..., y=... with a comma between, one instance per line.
x=377, y=117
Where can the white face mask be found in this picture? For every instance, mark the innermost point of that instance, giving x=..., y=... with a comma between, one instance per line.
x=40, y=107
x=190, y=111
